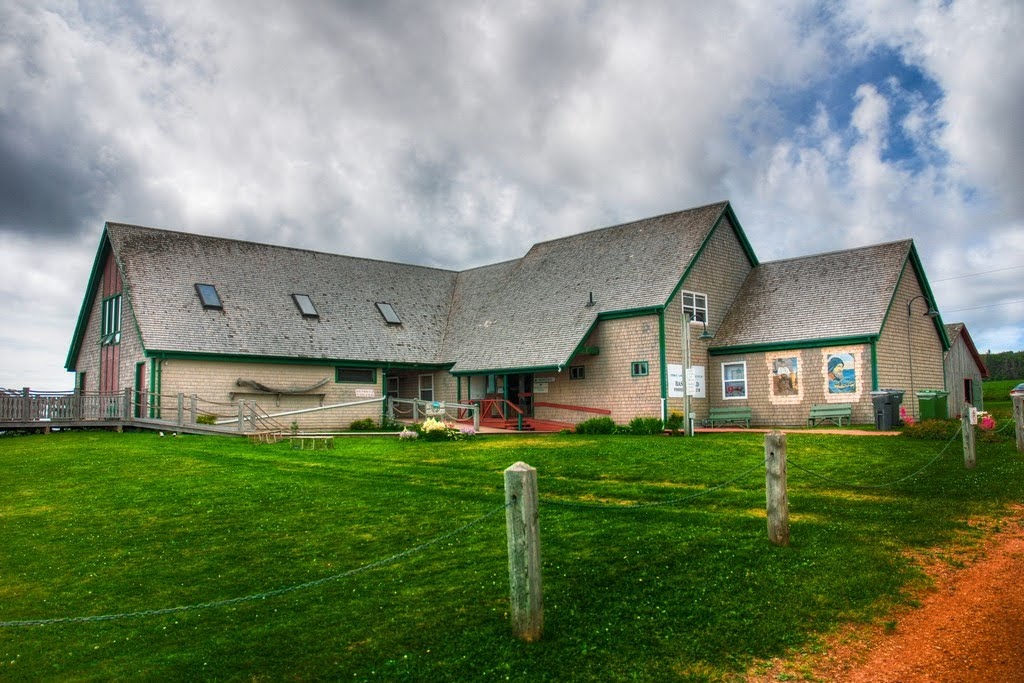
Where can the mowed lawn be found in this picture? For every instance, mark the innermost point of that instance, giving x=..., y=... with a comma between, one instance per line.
x=312, y=565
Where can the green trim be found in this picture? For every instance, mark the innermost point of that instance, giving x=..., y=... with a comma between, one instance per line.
x=874, y=365
x=286, y=360
x=629, y=313
x=926, y=289
x=90, y=293
x=662, y=357
x=796, y=344
x=589, y=351
x=645, y=366
x=727, y=212
x=510, y=371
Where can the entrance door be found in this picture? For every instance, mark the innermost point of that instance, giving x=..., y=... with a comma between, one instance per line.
x=140, y=388
x=520, y=392
x=969, y=391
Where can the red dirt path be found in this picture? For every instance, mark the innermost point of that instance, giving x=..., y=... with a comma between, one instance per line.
x=969, y=627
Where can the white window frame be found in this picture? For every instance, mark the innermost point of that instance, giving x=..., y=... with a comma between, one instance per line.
x=726, y=382
x=426, y=393
x=393, y=387
x=698, y=313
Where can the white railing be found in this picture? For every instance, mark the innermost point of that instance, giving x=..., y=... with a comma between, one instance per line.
x=415, y=410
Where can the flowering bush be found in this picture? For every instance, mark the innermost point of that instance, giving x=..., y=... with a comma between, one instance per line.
x=432, y=429
x=907, y=418
x=986, y=422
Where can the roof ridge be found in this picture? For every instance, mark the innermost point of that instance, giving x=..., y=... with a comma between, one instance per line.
x=907, y=240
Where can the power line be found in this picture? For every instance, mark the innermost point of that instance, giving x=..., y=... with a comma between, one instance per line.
x=984, y=272
x=972, y=308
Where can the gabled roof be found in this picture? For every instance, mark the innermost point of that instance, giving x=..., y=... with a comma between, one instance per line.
x=832, y=298
x=534, y=312
x=959, y=331
x=530, y=313
x=160, y=269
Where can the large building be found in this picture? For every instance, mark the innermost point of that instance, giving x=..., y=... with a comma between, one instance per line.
x=597, y=323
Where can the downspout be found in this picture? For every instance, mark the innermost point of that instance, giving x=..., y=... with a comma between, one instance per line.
x=874, y=364
x=664, y=369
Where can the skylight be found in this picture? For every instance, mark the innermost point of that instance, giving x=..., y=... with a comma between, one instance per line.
x=305, y=305
x=390, y=317
x=208, y=296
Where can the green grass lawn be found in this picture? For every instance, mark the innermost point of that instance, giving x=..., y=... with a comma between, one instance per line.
x=97, y=523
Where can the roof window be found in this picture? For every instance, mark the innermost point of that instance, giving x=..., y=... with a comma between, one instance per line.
x=386, y=310
x=208, y=296
x=305, y=305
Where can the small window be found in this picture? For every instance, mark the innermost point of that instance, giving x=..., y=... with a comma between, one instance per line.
x=426, y=386
x=386, y=310
x=305, y=305
x=639, y=368
x=695, y=306
x=208, y=296
x=734, y=380
x=577, y=372
x=110, y=321
x=355, y=375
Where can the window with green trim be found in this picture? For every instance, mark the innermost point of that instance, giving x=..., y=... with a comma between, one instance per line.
x=110, y=320
x=577, y=372
x=355, y=375
x=639, y=369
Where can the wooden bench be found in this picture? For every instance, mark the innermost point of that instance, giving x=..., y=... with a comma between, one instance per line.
x=313, y=442
x=830, y=412
x=726, y=415
x=265, y=437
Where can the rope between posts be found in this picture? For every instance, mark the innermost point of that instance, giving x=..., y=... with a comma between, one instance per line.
x=257, y=596
x=660, y=503
x=879, y=486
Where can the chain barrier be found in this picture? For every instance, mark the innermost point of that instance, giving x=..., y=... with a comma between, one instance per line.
x=660, y=503
x=878, y=486
x=257, y=596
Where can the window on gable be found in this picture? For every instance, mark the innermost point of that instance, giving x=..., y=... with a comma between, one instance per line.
x=305, y=305
x=390, y=316
x=695, y=306
x=110, y=320
x=639, y=369
x=734, y=380
x=355, y=375
x=208, y=296
x=577, y=372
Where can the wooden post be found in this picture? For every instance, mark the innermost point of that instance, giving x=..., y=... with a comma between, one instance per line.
x=967, y=427
x=181, y=409
x=476, y=419
x=775, y=487
x=523, y=530
x=26, y=404
x=1018, y=420
x=127, y=405
x=193, y=409
x=241, y=415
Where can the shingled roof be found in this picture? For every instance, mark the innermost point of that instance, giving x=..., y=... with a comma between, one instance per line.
x=529, y=313
x=803, y=301
x=255, y=282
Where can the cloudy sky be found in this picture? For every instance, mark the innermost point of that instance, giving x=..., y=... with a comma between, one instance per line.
x=456, y=134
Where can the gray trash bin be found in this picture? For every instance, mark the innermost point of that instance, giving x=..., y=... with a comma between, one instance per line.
x=895, y=401
x=882, y=402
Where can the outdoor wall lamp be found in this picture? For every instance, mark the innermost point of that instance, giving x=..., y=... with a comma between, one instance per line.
x=930, y=313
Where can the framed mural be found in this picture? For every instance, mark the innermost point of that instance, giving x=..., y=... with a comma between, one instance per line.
x=842, y=375
x=786, y=382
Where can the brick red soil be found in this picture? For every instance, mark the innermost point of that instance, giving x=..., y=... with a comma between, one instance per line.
x=969, y=627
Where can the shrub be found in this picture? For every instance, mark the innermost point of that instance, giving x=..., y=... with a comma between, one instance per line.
x=365, y=425
x=435, y=430
x=934, y=430
x=646, y=426
x=675, y=421
x=597, y=425
x=205, y=419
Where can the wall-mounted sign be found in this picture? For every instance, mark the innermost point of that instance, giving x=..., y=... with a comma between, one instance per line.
x=544, y=379
x=695, y=385
x=366, y=393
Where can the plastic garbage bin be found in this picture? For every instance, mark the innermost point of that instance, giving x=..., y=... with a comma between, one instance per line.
x=895, y=401
x=882, y=402
x=932, y=404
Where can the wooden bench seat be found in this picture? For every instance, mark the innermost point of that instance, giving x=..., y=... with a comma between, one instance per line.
x=738, y=415
x=312, y=442
x=830, y=412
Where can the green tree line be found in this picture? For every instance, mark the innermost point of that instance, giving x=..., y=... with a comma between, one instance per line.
x=1004, y=365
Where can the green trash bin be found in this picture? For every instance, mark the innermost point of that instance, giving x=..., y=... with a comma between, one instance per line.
x=932, y=404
